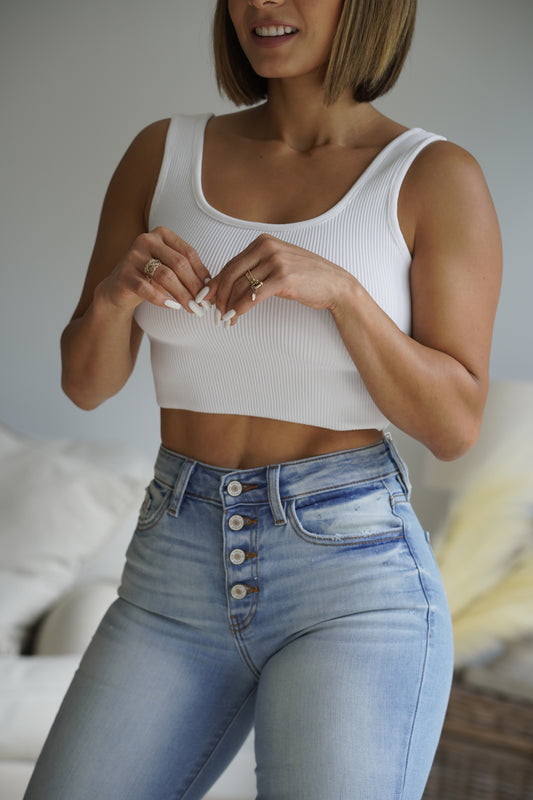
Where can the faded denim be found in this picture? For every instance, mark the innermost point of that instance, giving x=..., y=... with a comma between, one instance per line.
x=302, y=598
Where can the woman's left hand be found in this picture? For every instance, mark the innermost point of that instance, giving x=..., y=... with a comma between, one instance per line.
x=285, y=270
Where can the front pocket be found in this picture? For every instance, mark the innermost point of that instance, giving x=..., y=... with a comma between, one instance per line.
x=347, y=516
x=156, y=500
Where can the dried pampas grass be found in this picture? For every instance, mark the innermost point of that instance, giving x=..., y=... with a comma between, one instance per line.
x=485, y=552
x=499, y=617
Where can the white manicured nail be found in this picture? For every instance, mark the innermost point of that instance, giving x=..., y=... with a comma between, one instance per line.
x=218, y=316
x=200, y=298
x=228, y=316
x=202, y=293
x=171, y=304
x=196, y=309
x=207, y=280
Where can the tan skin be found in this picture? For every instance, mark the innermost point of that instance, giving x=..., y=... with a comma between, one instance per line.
x=291, y=159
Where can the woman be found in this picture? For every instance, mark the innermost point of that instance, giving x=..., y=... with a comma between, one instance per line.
x=306, y=270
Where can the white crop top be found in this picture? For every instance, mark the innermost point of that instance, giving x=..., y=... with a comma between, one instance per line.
x=281, y=360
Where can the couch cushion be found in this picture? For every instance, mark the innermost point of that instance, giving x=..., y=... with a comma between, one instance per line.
x=57, y=510
x=68, y=628
x=14, y=778
x=31, y=691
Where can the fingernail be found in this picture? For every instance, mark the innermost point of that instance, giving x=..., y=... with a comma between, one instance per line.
x=200, y=298
x=228, y=316
x=218, y=316
x=207, y=280
x=196, y=309
x=202, y=293
x=171, y=304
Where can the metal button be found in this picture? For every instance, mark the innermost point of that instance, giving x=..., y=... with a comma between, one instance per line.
x=234, y=488
x=237, y=556
x=239, y=591
x=236, y=522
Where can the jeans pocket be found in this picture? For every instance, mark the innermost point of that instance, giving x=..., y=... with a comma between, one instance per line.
x=156, y=500
x=347, y=516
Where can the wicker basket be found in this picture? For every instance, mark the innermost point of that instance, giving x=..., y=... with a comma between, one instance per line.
x=486, y=749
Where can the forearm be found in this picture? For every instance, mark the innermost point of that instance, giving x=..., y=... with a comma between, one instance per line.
x=98, y=352
x=425, y=392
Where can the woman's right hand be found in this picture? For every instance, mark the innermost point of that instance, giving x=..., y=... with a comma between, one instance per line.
x=176, y=281
x=99, y=346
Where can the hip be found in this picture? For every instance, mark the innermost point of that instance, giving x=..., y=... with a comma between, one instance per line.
x=282, y=548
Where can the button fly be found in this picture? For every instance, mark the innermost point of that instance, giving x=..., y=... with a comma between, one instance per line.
x=239, y=591
x=234, y=488
x=237, y=556
x=236, y=522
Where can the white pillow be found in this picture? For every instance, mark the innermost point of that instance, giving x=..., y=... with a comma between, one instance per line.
x=108, y=561
x=31, y=691
x=56, y=510
x=69, y=627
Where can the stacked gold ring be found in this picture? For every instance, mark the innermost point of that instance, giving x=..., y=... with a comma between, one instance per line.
x=255, y=285
x=151, y=266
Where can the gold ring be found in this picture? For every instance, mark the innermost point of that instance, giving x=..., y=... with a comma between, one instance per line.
x=151, y=266
x=255, y=285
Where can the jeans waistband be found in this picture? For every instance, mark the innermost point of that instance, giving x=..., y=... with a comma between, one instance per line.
x=277, y=483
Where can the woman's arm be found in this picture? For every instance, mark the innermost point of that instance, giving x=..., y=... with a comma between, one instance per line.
x=433, y=384
x=99, y=346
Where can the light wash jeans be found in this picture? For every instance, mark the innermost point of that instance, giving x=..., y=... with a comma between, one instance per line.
x=301, y=598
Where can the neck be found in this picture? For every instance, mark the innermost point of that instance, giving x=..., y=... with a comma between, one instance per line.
x=299, y=117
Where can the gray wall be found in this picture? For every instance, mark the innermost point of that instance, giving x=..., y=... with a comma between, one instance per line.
x=79, y=79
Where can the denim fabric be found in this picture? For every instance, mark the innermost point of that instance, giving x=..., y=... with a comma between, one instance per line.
x=302, y=598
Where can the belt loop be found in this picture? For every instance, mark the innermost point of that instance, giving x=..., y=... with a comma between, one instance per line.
x=400, y=463
x=276, y=506
x=180, y=486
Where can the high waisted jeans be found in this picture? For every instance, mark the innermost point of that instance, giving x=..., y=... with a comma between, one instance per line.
x=302, y=598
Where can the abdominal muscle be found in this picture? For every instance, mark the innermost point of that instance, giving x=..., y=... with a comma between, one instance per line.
x=240, y=442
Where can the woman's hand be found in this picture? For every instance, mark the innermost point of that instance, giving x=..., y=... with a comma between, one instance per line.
x=285, y=270
x=100, y=344
x=175, y=282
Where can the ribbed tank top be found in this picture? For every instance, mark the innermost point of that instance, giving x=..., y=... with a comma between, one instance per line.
x=281, y=360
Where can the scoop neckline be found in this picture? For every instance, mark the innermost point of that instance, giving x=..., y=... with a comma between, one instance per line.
x=207, y=208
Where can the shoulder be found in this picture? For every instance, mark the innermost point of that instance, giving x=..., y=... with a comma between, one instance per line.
x=149, y=143
x=445, y=185
x=145, y=151
x=444, y=171
x=136, y=175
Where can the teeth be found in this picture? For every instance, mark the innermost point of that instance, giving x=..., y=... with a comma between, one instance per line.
x=274, y=30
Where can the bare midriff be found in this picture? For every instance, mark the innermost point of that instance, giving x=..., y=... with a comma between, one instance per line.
x=242, y=442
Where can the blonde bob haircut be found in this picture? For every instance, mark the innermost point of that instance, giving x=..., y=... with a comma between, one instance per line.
x=367, y=55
